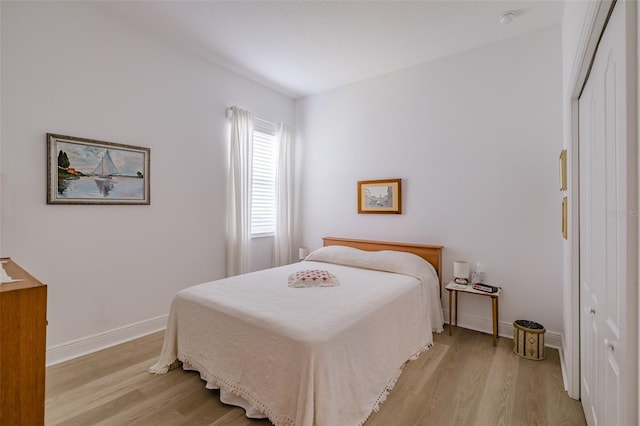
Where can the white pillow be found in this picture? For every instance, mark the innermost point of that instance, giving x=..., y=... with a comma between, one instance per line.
x=384, y=260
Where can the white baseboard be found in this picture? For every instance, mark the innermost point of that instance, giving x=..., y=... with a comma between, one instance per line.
x=86, y=345
x=552, y=339
x=563, y=368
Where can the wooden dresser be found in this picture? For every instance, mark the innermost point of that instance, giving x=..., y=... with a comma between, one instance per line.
x=23, y=325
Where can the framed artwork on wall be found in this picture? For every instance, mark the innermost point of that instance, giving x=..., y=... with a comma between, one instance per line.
x=88, y=171
x=563, y=170
x=565, y=225
x=380, y=196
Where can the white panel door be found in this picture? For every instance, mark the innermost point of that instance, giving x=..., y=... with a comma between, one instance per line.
x=608, y=246
x=591, y=245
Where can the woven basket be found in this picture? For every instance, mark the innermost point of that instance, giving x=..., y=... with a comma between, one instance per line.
x=528, y=339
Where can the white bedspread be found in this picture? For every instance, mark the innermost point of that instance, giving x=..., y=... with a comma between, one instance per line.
x=303, y=356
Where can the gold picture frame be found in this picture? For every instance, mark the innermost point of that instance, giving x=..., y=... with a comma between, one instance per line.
x=563, y=170
x=564, y=217
x=89, y=171
x=380, y=196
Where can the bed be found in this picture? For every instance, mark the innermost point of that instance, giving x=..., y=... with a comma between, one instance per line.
x=315, y=355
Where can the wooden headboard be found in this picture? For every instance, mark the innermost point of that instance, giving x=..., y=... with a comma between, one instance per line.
x=430, y=253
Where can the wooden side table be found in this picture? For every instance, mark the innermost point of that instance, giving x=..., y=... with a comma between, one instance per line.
x=454, y=289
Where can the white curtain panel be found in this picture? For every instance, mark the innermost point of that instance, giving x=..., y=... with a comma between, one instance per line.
x=239, y=191
x=284, y=196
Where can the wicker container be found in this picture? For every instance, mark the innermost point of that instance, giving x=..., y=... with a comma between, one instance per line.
x=528, y=339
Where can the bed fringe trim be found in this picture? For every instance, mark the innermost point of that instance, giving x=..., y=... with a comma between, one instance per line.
x=216, y=380
x=389, y=387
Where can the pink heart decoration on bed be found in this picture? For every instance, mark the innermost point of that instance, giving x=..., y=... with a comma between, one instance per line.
x=312, y=278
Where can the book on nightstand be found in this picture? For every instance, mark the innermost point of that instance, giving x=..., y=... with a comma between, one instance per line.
x=486, y=288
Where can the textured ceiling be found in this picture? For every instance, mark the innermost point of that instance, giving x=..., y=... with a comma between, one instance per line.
x=305, y=47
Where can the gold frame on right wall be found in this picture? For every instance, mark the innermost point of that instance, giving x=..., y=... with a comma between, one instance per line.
x=564, y=217
x=563, y=170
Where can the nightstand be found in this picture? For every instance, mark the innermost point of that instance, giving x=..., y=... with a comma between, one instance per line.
x=454, y=289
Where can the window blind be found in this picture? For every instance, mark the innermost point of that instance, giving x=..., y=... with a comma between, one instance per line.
x=263, y=178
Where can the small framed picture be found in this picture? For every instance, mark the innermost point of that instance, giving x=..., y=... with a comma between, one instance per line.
x=87, y=171
x=563, y=170
x=380, y=196
x=565, y=224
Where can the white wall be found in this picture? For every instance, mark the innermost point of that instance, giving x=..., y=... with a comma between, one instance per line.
x=475, y=138
x=73, y=69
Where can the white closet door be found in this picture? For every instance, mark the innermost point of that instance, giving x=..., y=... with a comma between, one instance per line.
x=590, y=242
x=608, y=231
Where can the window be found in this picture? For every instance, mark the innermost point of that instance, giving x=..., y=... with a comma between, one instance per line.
x=263, y=178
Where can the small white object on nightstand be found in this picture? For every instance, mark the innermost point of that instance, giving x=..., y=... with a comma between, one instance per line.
x=461, y=272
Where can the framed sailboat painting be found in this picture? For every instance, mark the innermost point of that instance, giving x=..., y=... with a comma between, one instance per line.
x=87, y=171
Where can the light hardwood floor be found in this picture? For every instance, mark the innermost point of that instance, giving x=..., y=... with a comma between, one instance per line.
x=462, y=380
